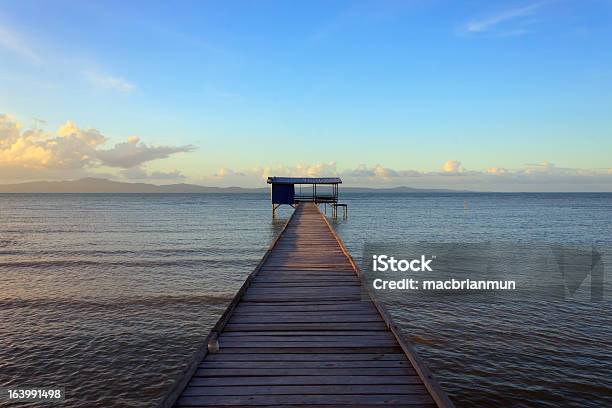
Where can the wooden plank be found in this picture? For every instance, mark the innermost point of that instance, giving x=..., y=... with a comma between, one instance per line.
x=229, y=356
x=361, y=389
x=309, y=272
x=263, y=372
x=271, y=348
x=294, y=333
x=298, y=314
x=274, y=400
x=305, y=364
x=341, y=307
x=309, y=291
x=306, y=380
x=305, y=326
x=273, y=337
x=306, y=344
x=297, y=297
x=307, y=305
x=319, y=405
x=321, y=318
x=304, y=285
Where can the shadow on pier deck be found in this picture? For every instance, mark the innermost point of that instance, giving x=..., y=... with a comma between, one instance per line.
x=302, y=331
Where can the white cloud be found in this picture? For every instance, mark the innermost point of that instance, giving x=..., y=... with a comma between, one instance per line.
x=544, y=176
x=299, y=170
x=378, y=172
x=17, y=44
x=71, y=148
x=225, y=172
x=497, y=170
x=501, y=21
x=110, y=82
x=452, y=167
x=134, y=152
x=141, y=174
x=13, y=42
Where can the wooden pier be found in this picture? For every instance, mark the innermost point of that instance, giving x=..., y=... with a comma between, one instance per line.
x=304, y=332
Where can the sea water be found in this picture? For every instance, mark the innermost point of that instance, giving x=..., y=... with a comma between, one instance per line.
x=109, y=295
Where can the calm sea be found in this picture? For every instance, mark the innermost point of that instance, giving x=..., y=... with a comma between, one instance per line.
x=109, y=295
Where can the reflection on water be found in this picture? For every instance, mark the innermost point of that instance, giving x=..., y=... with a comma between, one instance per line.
x=109, y=295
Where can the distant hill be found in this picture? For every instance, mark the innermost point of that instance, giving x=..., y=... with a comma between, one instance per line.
x=402, y=189
x=99, y=185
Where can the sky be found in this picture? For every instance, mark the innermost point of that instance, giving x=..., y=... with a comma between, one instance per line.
x=483, y=95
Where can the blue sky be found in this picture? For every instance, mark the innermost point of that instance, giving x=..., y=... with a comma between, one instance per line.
x=513, y=95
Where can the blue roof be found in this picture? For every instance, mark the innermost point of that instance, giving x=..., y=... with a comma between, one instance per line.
x=304, y=180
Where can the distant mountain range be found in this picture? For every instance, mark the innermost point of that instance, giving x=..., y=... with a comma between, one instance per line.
x=99, y=185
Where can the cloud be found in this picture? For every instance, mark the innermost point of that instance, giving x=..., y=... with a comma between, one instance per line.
x=225, y=172
x=499, y=22
x=378, y=172
x=13, y=42
x=544, y=176
x=134, y=152
x=452, y=167
x=105, y=81
x=496, y=170
x=139, y=173
x=299, y=170
x=257, y=175
x=72, y=148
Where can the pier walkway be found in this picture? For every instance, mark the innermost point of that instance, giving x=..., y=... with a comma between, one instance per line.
x=304, y=332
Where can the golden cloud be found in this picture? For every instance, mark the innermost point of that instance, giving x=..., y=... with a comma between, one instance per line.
x=72, y=148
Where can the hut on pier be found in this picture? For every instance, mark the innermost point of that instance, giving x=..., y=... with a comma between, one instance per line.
x=294, y=190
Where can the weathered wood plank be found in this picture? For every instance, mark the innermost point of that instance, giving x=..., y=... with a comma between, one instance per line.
x=306, y=380
x=262, y=372
x=321, y=318
x=273, y=337
x=306, y=344
x=340, y=307
x=274, y=400
x=306, y=364
x=312, y=291
x=295, y=305
x=271, y=348
x=229, y=356
x=294, y=333
x=305, y=326
x=284, y=297
x=361, y=389
x=304, y=285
